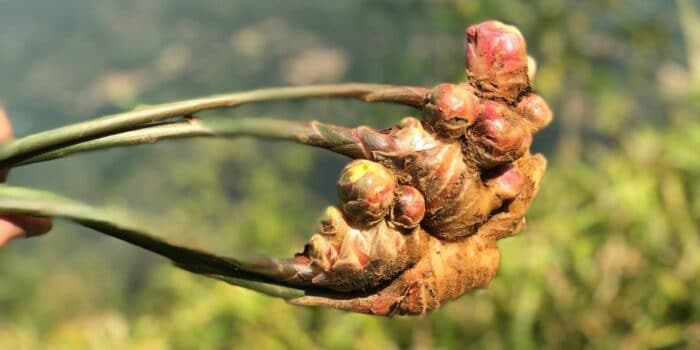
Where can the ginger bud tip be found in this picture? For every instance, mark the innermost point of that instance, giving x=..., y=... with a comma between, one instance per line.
x=494, y=47
x=452, y=108
x=409, y=207
x=500, y=132
x=366, y=191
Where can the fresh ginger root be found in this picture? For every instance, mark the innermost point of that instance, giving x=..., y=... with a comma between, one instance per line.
x=424, y=205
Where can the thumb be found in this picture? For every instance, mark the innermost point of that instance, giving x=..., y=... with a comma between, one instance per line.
x=5, y=136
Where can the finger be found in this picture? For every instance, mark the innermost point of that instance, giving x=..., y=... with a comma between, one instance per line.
x=5, y=136
x=9, y=231
x=22, y=226
x=5, y=127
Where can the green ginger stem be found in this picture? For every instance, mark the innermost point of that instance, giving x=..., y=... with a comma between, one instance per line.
x=24, y=201
x=336, y=138
x=22, y=149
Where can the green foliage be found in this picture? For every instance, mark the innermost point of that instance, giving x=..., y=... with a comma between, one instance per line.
x=611, y=255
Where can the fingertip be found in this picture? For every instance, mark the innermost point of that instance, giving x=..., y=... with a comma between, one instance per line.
x=35, y=226
x=13, y=227
x=5, y=127
x=9, y=230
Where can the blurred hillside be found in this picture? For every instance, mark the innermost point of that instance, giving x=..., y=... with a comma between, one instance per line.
x=611, y=255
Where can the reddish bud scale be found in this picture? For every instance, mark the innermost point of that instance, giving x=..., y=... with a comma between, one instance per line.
x=496, y=59
x=321, y=252
x=534, y=108
x=498, y=136
x=452, y=109
x=410, y=136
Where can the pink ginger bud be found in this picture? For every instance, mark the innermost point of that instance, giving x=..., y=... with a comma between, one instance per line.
x=452, y=109
x=534, y=108
x=507, y=182
x=496, y=59
x=500, y=137
x=366, y=191
x=409, y=207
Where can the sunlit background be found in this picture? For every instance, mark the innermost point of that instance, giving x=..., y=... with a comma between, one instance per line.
x=611, y=255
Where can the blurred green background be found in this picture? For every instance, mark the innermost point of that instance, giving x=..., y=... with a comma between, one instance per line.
x=611, y=255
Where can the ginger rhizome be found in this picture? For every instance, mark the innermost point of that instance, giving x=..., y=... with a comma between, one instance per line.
x=423, y=205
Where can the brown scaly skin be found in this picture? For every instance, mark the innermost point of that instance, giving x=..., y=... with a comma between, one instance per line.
x=447, y=269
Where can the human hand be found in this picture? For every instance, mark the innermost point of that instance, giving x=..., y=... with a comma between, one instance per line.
x=12, y=227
